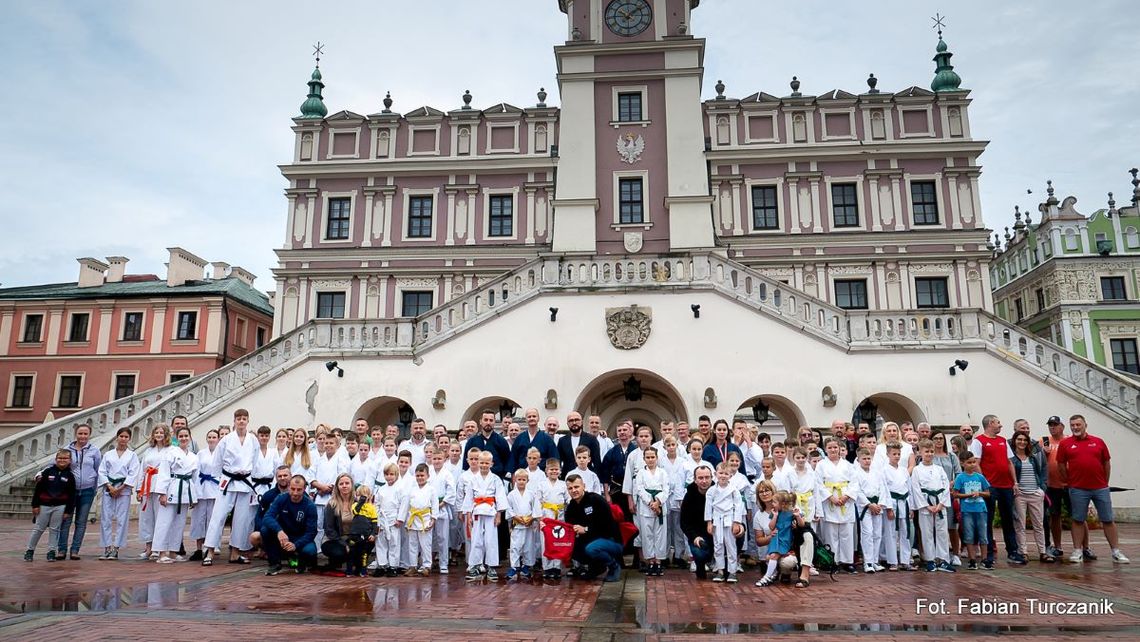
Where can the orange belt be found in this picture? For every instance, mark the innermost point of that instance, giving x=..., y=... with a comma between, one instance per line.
x=488, y=500
x=144, y=489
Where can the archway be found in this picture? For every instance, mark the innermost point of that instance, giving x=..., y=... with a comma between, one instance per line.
x=887, y=406
x=784, y=416
x=494, y=403
x=383, y=411
x=606, y=396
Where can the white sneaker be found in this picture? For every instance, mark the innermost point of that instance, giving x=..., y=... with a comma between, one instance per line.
x=1119, y=558
x=144, y=555
x=879, y=568
x=813, y=571
x=373, y=565
x=443, y=569
x=868, y=568
x=692, y=567
x=1077, y=557
x=955, y=560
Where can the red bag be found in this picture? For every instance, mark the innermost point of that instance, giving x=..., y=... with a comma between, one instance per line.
x=628, y=529
x=558, y=540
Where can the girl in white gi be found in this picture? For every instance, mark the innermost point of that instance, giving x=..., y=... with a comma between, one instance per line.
x=444, y=486
x=118, y=471
x=740, y=483
x=897, y=527
x=483, y=502
x=418, y=512
x=328, y=466
x=236, y=454
x=674, y=466
x=837, y=478
x=523, y=513
x=552, y=500
x=651, y=492
x=281, y=443
x=177, y=499
x=388, y=497
x=694, y=460
x=149, y=485
x=209, y=490
x=930, y=498
x=299, y=458
x=869, y=503
x=724, y=516
x=803, y=484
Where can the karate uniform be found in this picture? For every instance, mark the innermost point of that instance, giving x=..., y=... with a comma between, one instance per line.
x=264, y=470
x=650, y=485
x=522, y=504
x=419, y=507
x=897, y=532
x=116, y=470
x=388, y=500
x=444, y=486
x=870, y=489
x=236, y=459
x=325, y=470
x=363, y=472
x=485, y=497
x=808, y=493
x=552, y=500
x=723, y=507
x=181, y=493
x=459, y=531
x=589, y=479
x=837, y=479
x=149, y=486
x=928, y=487
x=209, y=478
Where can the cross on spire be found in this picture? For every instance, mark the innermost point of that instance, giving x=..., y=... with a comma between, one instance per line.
x=318, y=49
x=939, y=25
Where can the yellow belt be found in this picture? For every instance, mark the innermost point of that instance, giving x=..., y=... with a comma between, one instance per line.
x=554, y=508
x=802, y=500
x=421, y=514
x=837, y=489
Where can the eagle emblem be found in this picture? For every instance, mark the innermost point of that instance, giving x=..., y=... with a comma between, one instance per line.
x=630, y=148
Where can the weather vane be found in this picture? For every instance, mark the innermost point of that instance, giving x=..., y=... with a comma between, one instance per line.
x=938, y=24
x=318, y=49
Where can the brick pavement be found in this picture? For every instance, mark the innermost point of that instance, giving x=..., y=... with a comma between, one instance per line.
x=131, y=599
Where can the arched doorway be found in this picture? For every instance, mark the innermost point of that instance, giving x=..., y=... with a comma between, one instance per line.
x=384, y=411
x=778, y=416
x=640, y=395
x=887, y=406
x=498, y=405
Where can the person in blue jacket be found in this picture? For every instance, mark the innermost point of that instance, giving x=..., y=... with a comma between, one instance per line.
x=289, y=528
x=717, y=451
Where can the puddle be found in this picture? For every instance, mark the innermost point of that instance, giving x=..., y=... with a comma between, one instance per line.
x=151, y=595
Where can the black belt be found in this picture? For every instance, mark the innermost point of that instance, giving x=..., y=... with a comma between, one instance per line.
x=238, y=477
x=860, y=514
x=182, y=480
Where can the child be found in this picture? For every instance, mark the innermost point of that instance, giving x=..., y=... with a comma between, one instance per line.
x=522, y=509
x=696, y=447
x=674, y=465
x=444, y=485
x=418, y=513
x=118, y=470
x=897, y=529
x=407, y=482
x=651, y=489
x=784, y=515
x=552, y=499
x=462, y=485
x=869, y=509
x=361, y=532
x=724, y=515
x=53, y=501
x=740, y=484
x=783, y=466
x=803, y=484
x=533, y=457
x=483, y=502
x=971, y=489
x=929, y=496
x=589, y=477
x=836, y=477
x=389, y=497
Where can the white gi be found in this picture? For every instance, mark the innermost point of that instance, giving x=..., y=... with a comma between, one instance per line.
x=723, y=507
x=928, y=487
x=325, y=470
x=388, y=500
x=522, y=504
x=264, y=470
x=149, y=484
x=419, y=506
x=209, y=478
x=236, y=457
x=181, y=492
x=444, y=486
x=837, y=479
x=116, y=470
x=869, y=485
x=897, y=531
x=485, y=497
x=650, y=485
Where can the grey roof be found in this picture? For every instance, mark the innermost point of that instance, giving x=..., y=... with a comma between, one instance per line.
x=232, y=287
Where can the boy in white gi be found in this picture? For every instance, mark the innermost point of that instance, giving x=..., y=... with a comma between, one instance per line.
x=117, y=473
x=837, y=477
x=930, y=497
x=589, y=477
x=552, y=499
x=651, y=492
x=388, y=497
x=418, y=512
x=523, y=512
x=724, y=517
x=445, y=494
x=869, y=509
x=484, y=502
x=897, y=528
x=236, y=454
x=462, y=485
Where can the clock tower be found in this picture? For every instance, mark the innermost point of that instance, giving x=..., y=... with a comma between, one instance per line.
x=632, y=175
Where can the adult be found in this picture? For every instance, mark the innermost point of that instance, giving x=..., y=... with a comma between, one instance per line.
x=612, y=471
x=1085, y=467
x=337, y=522
x=532, y=437
x=1056, y=496
x=1029, y=493
x=993, y=452
x=513, y=430
x=360, y=427
x=177, y=498
x=682, y=432
x=704, y=428
x=236, y=454
x=209, y=478
x=178, y=422
x=693, y=522
x=151, y=480
x=289, y=528
x=551, y=426
x=743, y=437
x=118, y=470
x=417, y=443
x=966, y=431
x=85, y=459
x=597, y=541
x=599, y=433
x=717, y=451
x=575, y=437
x=487, y=440
x=282, y=477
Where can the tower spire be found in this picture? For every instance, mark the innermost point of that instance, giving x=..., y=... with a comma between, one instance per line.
x=945, y=78
x=314, y=105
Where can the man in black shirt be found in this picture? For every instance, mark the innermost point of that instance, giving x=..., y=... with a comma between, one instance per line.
x=490, y=441
x=693, y=522
x=597, y=542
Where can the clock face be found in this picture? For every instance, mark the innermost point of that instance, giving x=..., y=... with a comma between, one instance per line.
x=628, y=17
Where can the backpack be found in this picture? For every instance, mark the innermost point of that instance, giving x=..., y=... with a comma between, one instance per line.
x=825, y=559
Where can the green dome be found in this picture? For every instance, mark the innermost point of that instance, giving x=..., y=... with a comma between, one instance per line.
x=945, y=78
x=314, y=105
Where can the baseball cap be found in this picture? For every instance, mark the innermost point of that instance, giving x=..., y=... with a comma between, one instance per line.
x=1054, y=420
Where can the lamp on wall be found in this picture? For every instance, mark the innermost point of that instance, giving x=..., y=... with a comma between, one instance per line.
x=405, y=414
x=332, y=365
x=553, y=314
x=760, y=411
x=551, y=401
x=696, y=308
x=959, y=364
x=632, y=389
x=506, y=410
x=439, y=401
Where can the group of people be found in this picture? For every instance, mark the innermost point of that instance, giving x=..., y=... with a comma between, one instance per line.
x=713, y=499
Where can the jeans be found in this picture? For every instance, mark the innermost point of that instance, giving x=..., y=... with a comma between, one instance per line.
x=83, y=501
x=973, y=528
x=702, y=554
x=307, y=555
x=1003, y=497
x=336, y=551
x=601, y=552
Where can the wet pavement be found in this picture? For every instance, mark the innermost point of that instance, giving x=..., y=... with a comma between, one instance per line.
x=132, y=599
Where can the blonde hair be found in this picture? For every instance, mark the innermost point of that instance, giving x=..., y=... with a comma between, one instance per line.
x=364, y=491
x=291, y=455
x=344, y=512
x=165, y=430
x=521, y=473
x=392, y=468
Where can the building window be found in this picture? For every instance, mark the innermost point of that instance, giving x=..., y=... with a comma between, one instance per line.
x=260, y=340
x=629, y=107
x=239, y=333
x=1112, y=288
x=765, y=214
x=631, y=207
x=1124, y=356
x=419, y=217
x=502, y=216
x=132, y=326
x=415, y=303
x=124, y=385
x=844, y=205
x=78, y=331
x=1040, y=293
x=187, y=326
x=1019, y=308
x=69, y=387
x=175, y=377
x=330, y=305
x=339, y=214
x=851, y=294
x=21, y=391
x=932, y=292
x=924, y=202
x=33, y=328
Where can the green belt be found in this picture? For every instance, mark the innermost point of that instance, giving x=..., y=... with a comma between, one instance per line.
x=653, y=493
x=859, y=515
x=899, y=513
x=115, y=481
x=182, y=479
x=932, y=499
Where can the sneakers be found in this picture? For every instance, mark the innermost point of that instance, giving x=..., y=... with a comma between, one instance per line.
x=273, y=570
x=692, y=567
x=614, y=573
x=51, y=556
x=1017, y=559
x=1089, y=555
x=106, y=554
x=424, y=572
x=988, y=565
x=511, y=573
x=74, y=556
x=1118, y=557
x=29, y=555
x=767, y=580
x=492, y=575
x=719, y=576
x=731, y=579
x=972, y=566
x=114, y=554
x=867, y=568
x=443, y=569
x=930, y=567
x=411, y=572
x=850, y=569
x=1077, y=557
x=945, y=568
x=955, y=560
x=196, y=556
x=879, y=568
x=525, y=573
x=1056, y=552
x=473, y=575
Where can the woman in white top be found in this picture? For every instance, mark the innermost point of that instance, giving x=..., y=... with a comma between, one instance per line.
x=177, y=499
x=299, y=458
x=118, y=472
x=151, y=482
x=209, y=490
x=891, y=433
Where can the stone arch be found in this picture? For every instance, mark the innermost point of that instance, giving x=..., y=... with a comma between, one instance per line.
x=892, y=407
x=604, y=396
x=784, y=414
x=382, y=411
x=493, y=402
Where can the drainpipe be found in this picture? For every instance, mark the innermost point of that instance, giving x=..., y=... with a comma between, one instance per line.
x=225, y=331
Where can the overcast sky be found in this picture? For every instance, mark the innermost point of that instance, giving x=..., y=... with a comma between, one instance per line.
x=135, y=126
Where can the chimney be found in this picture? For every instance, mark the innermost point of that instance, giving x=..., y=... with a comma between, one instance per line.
x=243, y=274
x=91, y=272
x=183, y=267
x=220, y=270
x=118, y=268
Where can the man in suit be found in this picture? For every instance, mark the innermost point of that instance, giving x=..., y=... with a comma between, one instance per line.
x=577, y=437
x=534, y=437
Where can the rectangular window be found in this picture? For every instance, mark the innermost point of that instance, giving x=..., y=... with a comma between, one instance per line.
x=629, y=107
x=1112, y=288
x=187, y=326
x=844, y=206
x=339, y=214
x=69, y=387
x=502, y=216
x=1019, y=308
x=931, y=292
x=78, y=331
x=419, y=217
x=1040, y=299
x=239, y=333
x=21, y=391
x=124, y=385
x=330, y=305
x=851, y=294
x=924, y=202
x=33, y=328
x=415, y=303
x=765, y=215
x=176, y=377
x=260, y=337
x=1124, y=356
x=631, y=207
x=132, y=326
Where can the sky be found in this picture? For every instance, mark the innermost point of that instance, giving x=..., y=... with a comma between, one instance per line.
x=137, y=126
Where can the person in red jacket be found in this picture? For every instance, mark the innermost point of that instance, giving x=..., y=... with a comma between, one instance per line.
x=993, y=452
x=1085, y=467
x=53, y=501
